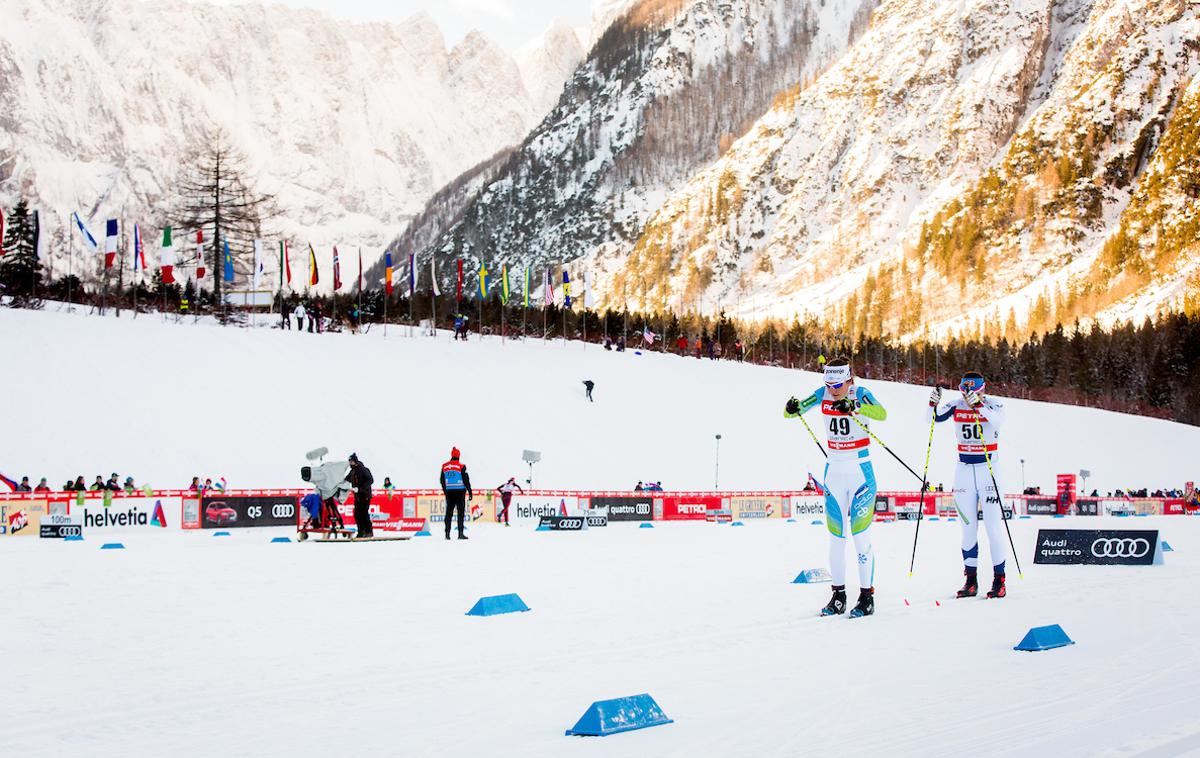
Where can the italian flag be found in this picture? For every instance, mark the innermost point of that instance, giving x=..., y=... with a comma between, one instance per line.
x=168, y=258
x=286, y=268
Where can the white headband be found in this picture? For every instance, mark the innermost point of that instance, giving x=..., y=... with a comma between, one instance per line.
x=837, y=374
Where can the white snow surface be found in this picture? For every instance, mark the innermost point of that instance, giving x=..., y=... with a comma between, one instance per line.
x=164, y=402
x=185, y=645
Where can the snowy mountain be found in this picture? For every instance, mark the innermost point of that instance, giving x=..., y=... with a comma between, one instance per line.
x=963, y=164
x=664, y=91
x=960, y=166
x=353, y=126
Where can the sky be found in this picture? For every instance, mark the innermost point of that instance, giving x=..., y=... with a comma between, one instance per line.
x=508, y=23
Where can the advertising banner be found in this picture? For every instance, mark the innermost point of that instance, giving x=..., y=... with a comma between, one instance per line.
x=1066, y=493
x=756, y=507
x=531, y=509
x=596, y=520
x=808, y=506
x=22, y=518
x=1174, y=507
x=1041, y=506
x=56, y=526
x=388, y=512
x=127, y=513
x=1107, y=547
x=1087, y=506
x=621, y=508
x=240, y=512
x=694, y=507
x=189, y=513
x=563, y=523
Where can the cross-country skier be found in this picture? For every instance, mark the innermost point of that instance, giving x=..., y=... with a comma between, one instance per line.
x=589, y=385
x=977, y=420
x=506, y=496
x=456, y=486
x=849, y=479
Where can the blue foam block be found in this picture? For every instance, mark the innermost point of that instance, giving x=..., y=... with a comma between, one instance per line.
x=1142, y=515
x=73, y=538
x=816, y=522
x=280, y=539
x=494, y=605
x=112, y=546
x=813, y=576
x=422, y=533
x=542, y=528
x=1025, y=517
x=1121, y=515
x=933, y=518
x=1166, y=547
x=737, y=523
x=1044, y=638
x=1059, y=515
x=791, y=521
x=220, y=534
x=623, y=714
x=646, y=525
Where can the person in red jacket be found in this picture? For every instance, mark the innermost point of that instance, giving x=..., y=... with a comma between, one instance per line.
x=506, y=496
x=456, y=486
x=681, y=344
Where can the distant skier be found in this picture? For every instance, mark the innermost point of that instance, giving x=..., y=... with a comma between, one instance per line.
x=300, y=315
x=588, y=385
x=849, y=479
x=506, y=496
x=361, y=480
x=456, y=486
x=977, y=420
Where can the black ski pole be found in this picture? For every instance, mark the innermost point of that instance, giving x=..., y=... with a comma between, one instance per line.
x=885, y=447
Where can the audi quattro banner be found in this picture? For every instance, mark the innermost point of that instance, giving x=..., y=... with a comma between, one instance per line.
x=1041, y=506
x=564, y=523
x=1096, y=547
x=1087, y=506
x=620, y=508
x=239, y=511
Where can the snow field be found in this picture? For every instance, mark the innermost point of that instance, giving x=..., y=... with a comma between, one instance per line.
x=184, y=644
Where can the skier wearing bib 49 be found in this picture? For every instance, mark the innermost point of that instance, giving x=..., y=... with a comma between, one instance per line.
x=977, y=420
x=849, y=479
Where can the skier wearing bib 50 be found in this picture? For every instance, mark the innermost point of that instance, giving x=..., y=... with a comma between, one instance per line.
x=977, y=420
x=850, y=488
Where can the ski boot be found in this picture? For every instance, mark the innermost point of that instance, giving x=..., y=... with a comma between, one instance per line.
x=461, y=536
x=865, y=605
x=837, y=603
x=971, y=587
x=997, y=589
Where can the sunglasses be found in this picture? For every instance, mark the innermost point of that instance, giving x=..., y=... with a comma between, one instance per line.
x=969, y=385
x=837, y=385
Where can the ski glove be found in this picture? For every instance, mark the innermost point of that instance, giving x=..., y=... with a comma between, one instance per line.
x=973, y=399
x=792, y=408
x=935, y=397
x=845, y=405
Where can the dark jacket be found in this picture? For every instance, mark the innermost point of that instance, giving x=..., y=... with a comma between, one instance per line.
x=456, y=472
x=360, y=478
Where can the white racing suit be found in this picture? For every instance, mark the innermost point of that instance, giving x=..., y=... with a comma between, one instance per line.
x=977, y=435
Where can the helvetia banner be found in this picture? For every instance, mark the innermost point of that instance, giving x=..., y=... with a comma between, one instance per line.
x=1096, y=547
x=236, y=512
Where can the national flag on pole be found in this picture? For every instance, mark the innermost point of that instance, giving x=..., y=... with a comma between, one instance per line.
x=111, y=233
x=504, y=283
x=258, y=264
x=648, y=335
x=458, y=289
x=199, y=254
x=360, y=271
x=483, y=280
x=548, y=288
x=313, y=276
x=139, y=251
x=589, y=301
x=228, y=258
x=387, y=272
x=433, y=277
x=167, y=258
x=88, y=239
x=526, y=293
x=1, y=231
x=566, y=289
x=12, y=485
x=412, y=274
x=337, y=270
x=285, y=264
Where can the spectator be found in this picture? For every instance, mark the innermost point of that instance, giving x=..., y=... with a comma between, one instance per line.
x=739, y=351
x=354, y=319
x=708, y=348
x=639, y=487
x=195, y=485
x=699, y=347
x=388, y=487
x=285, y=310
x=113, y=485
x=681, y=344
x=361, y=480
x=940, y=488
x=80, y=486
x=588, y=385
x=621, y=344
x=42, y=486
x=130, y=487
x=317, y=317
x=608, y=343
x=208, y=485
x=98, y=484
x=69, y=486
x=717, y=350
x=658, y=487
x=24, y=485
x=300, y=315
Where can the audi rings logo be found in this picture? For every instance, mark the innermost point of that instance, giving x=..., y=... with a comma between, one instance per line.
x=283, y=510
x=570, y=523
x=1120, y=548
x=69, y=531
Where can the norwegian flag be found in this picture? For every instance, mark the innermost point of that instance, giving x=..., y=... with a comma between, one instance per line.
x=199, y=254
x=337, y=270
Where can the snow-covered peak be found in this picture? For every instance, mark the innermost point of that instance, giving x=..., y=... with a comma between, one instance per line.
x=548, y=61
x=604, y=12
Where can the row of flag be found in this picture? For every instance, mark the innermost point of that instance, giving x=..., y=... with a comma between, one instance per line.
x=167, y=262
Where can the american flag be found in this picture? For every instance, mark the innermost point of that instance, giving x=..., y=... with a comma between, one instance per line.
x=648, y=335
x=548, y=289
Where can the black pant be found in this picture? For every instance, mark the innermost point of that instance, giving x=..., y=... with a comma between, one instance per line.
x=362, y=512
x=455, y=500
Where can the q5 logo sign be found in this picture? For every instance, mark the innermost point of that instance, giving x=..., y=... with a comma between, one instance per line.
x=226, y=511
x=1097, y=547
